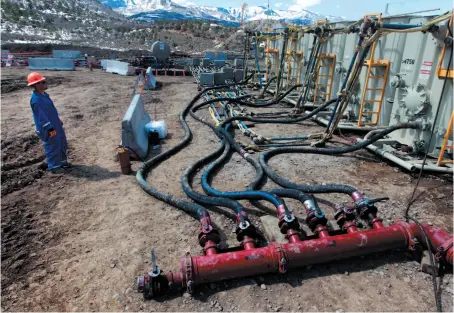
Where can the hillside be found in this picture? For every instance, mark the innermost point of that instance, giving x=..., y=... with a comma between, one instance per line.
x=90, y=23
x=124, y=25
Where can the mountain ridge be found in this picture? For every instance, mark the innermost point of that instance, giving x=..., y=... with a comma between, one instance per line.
x=151, y=10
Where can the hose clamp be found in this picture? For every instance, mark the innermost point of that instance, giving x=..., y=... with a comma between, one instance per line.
x=348, y=209
x=289, y=218
x=440, y=254
x=412, y=244
x=140, y=284
x=188, y=273
x=412, y=241
x=441, y=250
x=207, y=228
x=244, y=225
x=282, y=259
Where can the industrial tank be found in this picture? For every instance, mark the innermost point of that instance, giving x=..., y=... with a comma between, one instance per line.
x=418, y=91
x=160, y=50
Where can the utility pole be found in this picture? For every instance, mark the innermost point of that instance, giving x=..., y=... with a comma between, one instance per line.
x=386, y=10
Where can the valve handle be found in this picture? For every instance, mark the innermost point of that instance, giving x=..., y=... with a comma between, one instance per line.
x=367, y=202
x=375, y=200
x=153, y=261
x=155, y=271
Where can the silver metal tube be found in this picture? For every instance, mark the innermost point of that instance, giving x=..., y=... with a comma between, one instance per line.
x=432, y=168
x=343, y=126
x=389, y=156
x=407, y=165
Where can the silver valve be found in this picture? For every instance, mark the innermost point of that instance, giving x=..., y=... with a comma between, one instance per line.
x=289, y=218
x=155, y=271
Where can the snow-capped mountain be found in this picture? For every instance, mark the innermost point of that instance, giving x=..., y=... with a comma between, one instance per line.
x=149, y=10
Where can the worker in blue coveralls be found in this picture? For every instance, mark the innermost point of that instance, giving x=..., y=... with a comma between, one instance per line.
x=49, y=127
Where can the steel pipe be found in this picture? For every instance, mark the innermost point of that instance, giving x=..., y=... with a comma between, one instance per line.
x=265, y=33
x=406, y=164
x=346, y=125
x=399, y=26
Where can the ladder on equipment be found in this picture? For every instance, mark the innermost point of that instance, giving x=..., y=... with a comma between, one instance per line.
x=377, y=74
x=444, y=146
x=443, y=72
x=293, y=61
x=324, y=79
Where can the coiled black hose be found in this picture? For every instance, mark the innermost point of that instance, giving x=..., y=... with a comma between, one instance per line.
x=331, y=188
x=238, y=195
x=186, y=183
x=259, y=178
x=260, y=175
x=238, y=100
x=283, y=193
x=260, y=104
x=189, y=207
x=268, y=83
x=276, y=120
x=292, y=193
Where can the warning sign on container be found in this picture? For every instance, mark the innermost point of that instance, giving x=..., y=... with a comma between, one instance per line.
x=426, y=69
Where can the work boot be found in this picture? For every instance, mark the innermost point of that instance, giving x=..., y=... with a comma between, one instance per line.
x=58, y=171
x=66, y=165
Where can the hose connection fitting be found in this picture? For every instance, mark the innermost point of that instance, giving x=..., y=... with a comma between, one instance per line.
x=153, y=284
x=287, y=220
x=444, y=251
x=245, y=229
x=345, y=218
x=208, y=233
x=367, y=210
x=258, y=140
x=315, y=215
x=152, y=287
x=367, y=24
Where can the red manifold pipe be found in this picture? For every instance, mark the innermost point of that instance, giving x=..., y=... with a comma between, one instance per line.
x=196, y=270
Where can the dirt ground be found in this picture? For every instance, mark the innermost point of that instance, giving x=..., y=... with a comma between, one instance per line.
x=75, y=242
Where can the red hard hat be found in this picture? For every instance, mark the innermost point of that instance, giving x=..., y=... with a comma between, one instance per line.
x=34, y=78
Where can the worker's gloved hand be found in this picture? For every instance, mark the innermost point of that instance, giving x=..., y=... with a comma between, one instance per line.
x=52, y=133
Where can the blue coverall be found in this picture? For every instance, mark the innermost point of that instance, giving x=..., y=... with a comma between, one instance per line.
x=46, y=118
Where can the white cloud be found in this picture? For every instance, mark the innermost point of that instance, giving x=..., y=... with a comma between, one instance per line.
x=278, y=5
x=299, y=5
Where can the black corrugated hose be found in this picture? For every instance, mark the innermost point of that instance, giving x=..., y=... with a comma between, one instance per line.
x=331, y=188
x=227, y=141
x=268, y=83
x=278, y=120
x=189, y=207
x=186, y=183
x=240, y=195
x=239, y=101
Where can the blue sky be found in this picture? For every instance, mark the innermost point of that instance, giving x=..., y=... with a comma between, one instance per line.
x=351, y=9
